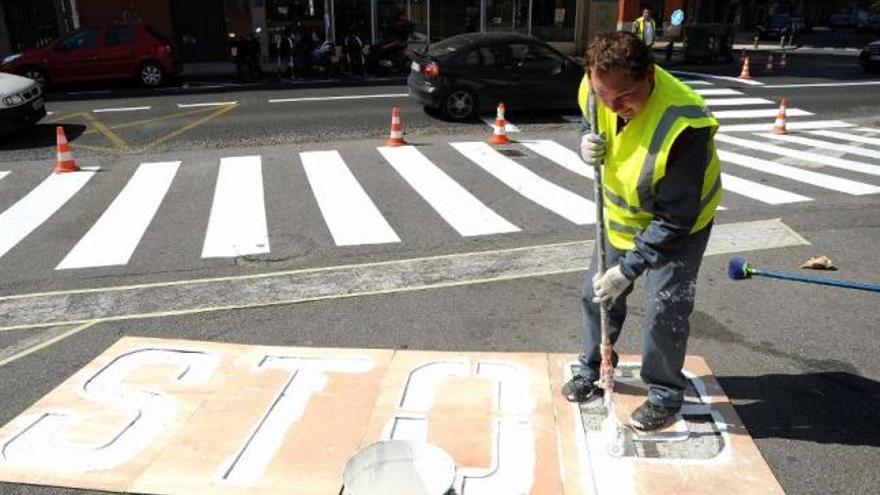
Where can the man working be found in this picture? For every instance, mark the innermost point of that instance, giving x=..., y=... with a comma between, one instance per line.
x=644, y=27
x=661, y=187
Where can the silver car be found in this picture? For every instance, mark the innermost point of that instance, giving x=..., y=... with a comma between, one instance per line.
x=21, y=102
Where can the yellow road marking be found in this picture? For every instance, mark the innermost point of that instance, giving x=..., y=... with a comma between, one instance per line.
x=152, y=119
x=192, y=125
x=47, y=343
x=110, y=135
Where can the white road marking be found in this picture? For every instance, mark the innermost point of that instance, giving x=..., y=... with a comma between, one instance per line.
x=748, y=82
x=720, y=208
x=114, y=237
x=824, y=85
x=848, y=137
x=718, y=92
x=791, y=126
x=827, y=145
x=121, y=109
x=563, y=202
x=800, y=175
x=760, y=192
x=349, y=213
x=207, y=104
x=50, y=113
x=574, y=119
x=461, y=209
x=3, y=174
x=560, y=155
x=330, y=98
x=729, y=102
x=508, y=126
x=696, y=82
x=868, y=129
x=760, y=113
x=37, y=206
x=830, y=161
x=237, y=224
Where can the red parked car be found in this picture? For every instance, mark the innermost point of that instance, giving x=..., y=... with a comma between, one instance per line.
x=102, y=52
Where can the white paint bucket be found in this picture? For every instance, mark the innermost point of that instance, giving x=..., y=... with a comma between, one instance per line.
x=399, y=467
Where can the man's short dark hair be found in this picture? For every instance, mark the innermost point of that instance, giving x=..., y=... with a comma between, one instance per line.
x=620, y=49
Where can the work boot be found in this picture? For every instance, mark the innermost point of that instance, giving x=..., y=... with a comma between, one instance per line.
x=580, y=389
x=650, y=416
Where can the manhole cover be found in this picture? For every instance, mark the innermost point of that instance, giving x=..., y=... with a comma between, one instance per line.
x=512, y=153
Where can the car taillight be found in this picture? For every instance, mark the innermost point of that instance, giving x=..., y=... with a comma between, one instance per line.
x=165, y=49
x=431, y=70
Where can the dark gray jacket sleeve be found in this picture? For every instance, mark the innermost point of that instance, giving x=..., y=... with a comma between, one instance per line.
x=676, y=204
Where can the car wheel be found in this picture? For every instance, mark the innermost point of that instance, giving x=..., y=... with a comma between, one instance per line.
x=37, y=74
x=461, y=104
x=151, y=74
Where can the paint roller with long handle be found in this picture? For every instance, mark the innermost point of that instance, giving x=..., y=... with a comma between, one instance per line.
x=612, y=432
x=740, y=269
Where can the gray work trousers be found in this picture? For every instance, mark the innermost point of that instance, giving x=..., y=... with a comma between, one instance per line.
x=669, y=300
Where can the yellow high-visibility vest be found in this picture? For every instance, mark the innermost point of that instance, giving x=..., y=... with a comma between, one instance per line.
x=640, y=27
x=635, y=159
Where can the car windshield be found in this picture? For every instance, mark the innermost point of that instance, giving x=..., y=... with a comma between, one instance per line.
x=447, y=46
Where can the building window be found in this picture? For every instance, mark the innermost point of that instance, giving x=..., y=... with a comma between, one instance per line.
x=553, y=20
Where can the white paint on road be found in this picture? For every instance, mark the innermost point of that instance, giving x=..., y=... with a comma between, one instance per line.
x=730, y=102
x=848, y=137
x=769, y=113
x=718, y=92
x=793, y=173
x=747, y=82
x=561, y=156
x=508, y=126
x=760, y=192
x=823, y=85
x=120, y=109
x=207, y=104
x=351, y=216
x=823, y=144
x=830, y=161
x=237, y=225
x=461, y=209
x=3, y=174
x=115, y=236
x=791, y=126
x=333, y=98
x=563, y=202
x=28, y=213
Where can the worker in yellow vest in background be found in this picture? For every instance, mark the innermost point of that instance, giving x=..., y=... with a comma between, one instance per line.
x=661, y=186
x=645, y=28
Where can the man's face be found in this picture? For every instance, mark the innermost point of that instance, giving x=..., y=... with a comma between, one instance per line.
x=621, y=93
x=646, y=13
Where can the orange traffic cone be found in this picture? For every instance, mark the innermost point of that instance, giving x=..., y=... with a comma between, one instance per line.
x=779, y=126
x=782, y=62
x=395, y=138
x=745, y=70
x=769, y=67
x=499, y=130
x=65, y=161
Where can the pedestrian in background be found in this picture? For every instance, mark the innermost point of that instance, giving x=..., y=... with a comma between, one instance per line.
x=661, y=187
x=645, y=28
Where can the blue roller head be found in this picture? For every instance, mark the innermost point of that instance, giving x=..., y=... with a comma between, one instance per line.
x=738, y=268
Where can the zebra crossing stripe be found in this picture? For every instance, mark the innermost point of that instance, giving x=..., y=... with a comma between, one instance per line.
x=28, y=213
x=869, y=130
x=697, y=82
x=563, y=202
x=729, y=102
x=760, y=192
x=461, y=209
x=791, y=126
x=828, y=145
x=114, y=237
x=237, y=225
x=830, y=161
x=848, y=137
x=759, y=114
x=560, y=155
x=350, y=214
x=3, y=174
x=806, y=176
x=718, y=92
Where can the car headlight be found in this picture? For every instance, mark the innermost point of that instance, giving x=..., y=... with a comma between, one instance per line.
x=13, y=100
x=11, y=58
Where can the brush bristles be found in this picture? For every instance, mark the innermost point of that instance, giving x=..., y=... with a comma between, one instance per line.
x=738, y=268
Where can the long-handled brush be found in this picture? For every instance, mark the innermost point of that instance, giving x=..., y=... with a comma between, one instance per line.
x=739, y=269
x=612, y=432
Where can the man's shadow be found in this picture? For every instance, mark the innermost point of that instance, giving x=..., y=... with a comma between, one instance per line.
x=826, y=407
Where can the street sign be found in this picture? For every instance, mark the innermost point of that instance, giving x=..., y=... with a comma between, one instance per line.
x=677, y=17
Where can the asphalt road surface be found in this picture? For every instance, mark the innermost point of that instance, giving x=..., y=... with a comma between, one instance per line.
x=197, y=202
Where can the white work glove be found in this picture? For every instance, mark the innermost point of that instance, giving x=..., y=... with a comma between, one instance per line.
x=609, y=286
x=592, y=149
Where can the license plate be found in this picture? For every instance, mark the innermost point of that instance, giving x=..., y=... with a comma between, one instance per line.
x=415, y=67
x=37, y=104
